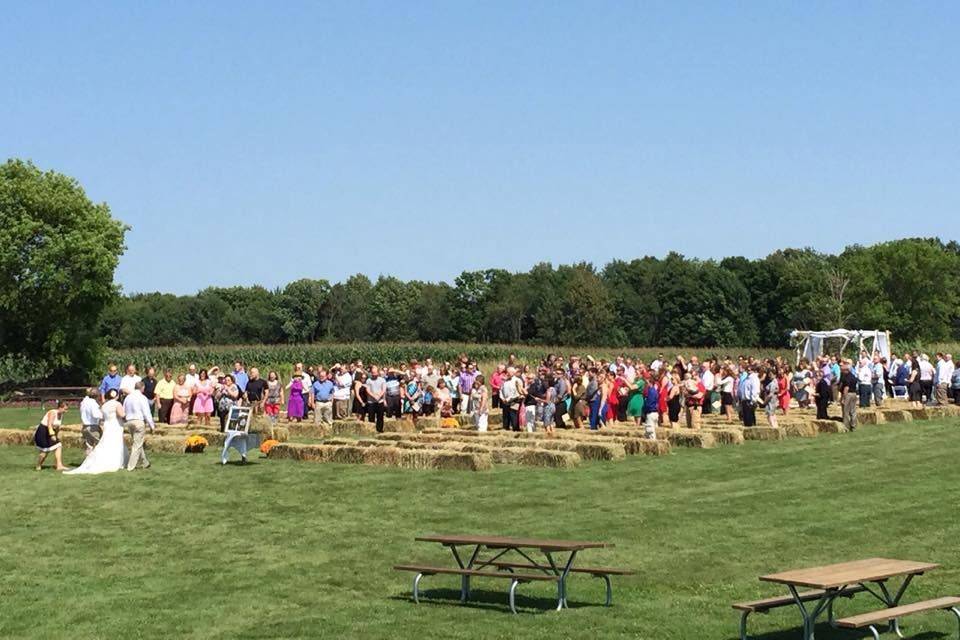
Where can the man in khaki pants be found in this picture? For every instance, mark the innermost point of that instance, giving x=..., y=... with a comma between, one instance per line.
x=849, y=396
x=137, y=415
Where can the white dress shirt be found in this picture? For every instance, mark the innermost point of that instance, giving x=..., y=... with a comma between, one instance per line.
x=137, y=407
x=128, y=382
x=90, y=413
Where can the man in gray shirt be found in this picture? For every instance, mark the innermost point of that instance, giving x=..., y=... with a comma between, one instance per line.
x=376, y=402
x=137, y=415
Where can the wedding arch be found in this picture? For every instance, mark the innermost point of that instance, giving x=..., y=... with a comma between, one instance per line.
x=812, y=344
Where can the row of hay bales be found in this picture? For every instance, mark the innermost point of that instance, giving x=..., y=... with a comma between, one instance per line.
x=383, y=456
x=165, y=438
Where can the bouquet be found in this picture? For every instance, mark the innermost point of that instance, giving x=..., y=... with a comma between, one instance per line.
x=195, y=444
x=266, y=445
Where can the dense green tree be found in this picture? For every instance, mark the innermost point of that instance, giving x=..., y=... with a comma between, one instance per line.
x=58, y=253
x=300, y=307
x=347, y=311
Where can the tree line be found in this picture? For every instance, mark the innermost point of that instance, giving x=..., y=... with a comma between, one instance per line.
x=910, y=287
x=60, y=306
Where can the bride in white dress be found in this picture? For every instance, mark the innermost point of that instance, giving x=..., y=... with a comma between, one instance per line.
x=110, y=454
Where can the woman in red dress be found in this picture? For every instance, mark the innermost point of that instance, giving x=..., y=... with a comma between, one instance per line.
x=783, y=388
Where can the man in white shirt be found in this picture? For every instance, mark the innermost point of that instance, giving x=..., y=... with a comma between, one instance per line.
x=945, y=368
x=864, y=381
x=342, y=393
x=137, y=415
x=749, y=397
x=926, y=377
x=129, y=381
x=709, y=382
x=90, y=418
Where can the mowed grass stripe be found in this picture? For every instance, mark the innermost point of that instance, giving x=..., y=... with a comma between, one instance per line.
x=284, y=550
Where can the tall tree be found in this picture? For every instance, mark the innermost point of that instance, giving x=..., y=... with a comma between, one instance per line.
x=58, y=253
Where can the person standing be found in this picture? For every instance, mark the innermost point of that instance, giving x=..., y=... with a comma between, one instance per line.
x=823, y=394
x=110, y=381
x=864, y=382
x=376, y=387
x=510, y=400
x=150, y=388
x=392, y=395
x=944, y=376
x=274, y=397
x=927, y=373
x=479, y=400
x=848, y=388
x=467, y=376
x=203, y=401
x=693, y=392
x=164, y=396
x=323, y=389
x=295, y=408
x=774, y=384
x=255, y=391
x=750, y=395
x=180, y=410
x=128, y=381
x=90, y=418
x=342, y=393
x=240, y=377
x=137, y=415
x=496, y=381
x=652, y=408
x=47, y=435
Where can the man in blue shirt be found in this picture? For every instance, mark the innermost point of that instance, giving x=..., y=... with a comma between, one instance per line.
x=110, y=381
x=322, y=397
x=240, y=377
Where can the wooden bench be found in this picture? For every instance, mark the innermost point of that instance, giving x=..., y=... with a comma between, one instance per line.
x=767, y=604
x=466, y=574
x=596, y=572
x=885, y=616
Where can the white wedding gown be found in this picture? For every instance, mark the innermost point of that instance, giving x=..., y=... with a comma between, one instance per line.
x=110, y=454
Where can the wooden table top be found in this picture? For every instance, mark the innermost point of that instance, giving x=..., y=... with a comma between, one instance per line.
x=833, y=576
x=502, y=542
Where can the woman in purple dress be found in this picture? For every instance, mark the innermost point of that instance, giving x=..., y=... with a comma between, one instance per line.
x=295, y=403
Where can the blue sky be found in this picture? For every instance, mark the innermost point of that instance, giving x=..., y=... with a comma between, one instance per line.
x=287, y=140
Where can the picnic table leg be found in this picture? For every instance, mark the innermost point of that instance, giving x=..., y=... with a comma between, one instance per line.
x=956, y=612
x=894, y=601
x=562, y=584
x=416, y=588
x=810, y=618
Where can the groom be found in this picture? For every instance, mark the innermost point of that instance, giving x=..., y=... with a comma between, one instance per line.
x=137, y=413
x=90, y=418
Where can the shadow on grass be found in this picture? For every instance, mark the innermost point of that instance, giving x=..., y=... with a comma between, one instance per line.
x=826, y=632
x=490, y=600
x=237, y=463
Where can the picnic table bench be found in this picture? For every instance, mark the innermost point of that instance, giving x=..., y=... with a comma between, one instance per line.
x=550, y=569
x=847, y=579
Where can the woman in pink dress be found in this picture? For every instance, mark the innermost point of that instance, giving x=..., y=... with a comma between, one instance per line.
x=180, y=411
x=203, y=402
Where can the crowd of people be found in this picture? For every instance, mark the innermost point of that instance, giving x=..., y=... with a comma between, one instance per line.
x=575, y=391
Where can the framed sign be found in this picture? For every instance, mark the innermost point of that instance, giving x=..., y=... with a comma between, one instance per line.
x=238, y=419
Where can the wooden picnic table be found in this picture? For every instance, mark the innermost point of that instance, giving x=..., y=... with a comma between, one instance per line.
x=871, y=574
x=505, y=556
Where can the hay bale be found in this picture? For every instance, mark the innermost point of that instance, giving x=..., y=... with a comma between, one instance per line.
x=727, y=435
x=800, y=430
x=460, y=461
x=477, y=448
x=693, y=438
x=600, y=450
x=307, y=429
x=352, y=428
x=870, y=417
x=171, y=444
x=382, y=456
x=763, y=433
x=896, y=415
x=552, y=459
x=398, y=426
x=427, y=422
x=495, y=420
x=506, y=455
x=829, y=426
x=654, y=447
x=14, y=437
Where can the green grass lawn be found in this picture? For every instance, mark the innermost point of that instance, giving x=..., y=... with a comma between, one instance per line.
x=23, y=417
x=279, y=549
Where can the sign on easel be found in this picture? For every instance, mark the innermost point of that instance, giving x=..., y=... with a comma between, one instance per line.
x=238, y=419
